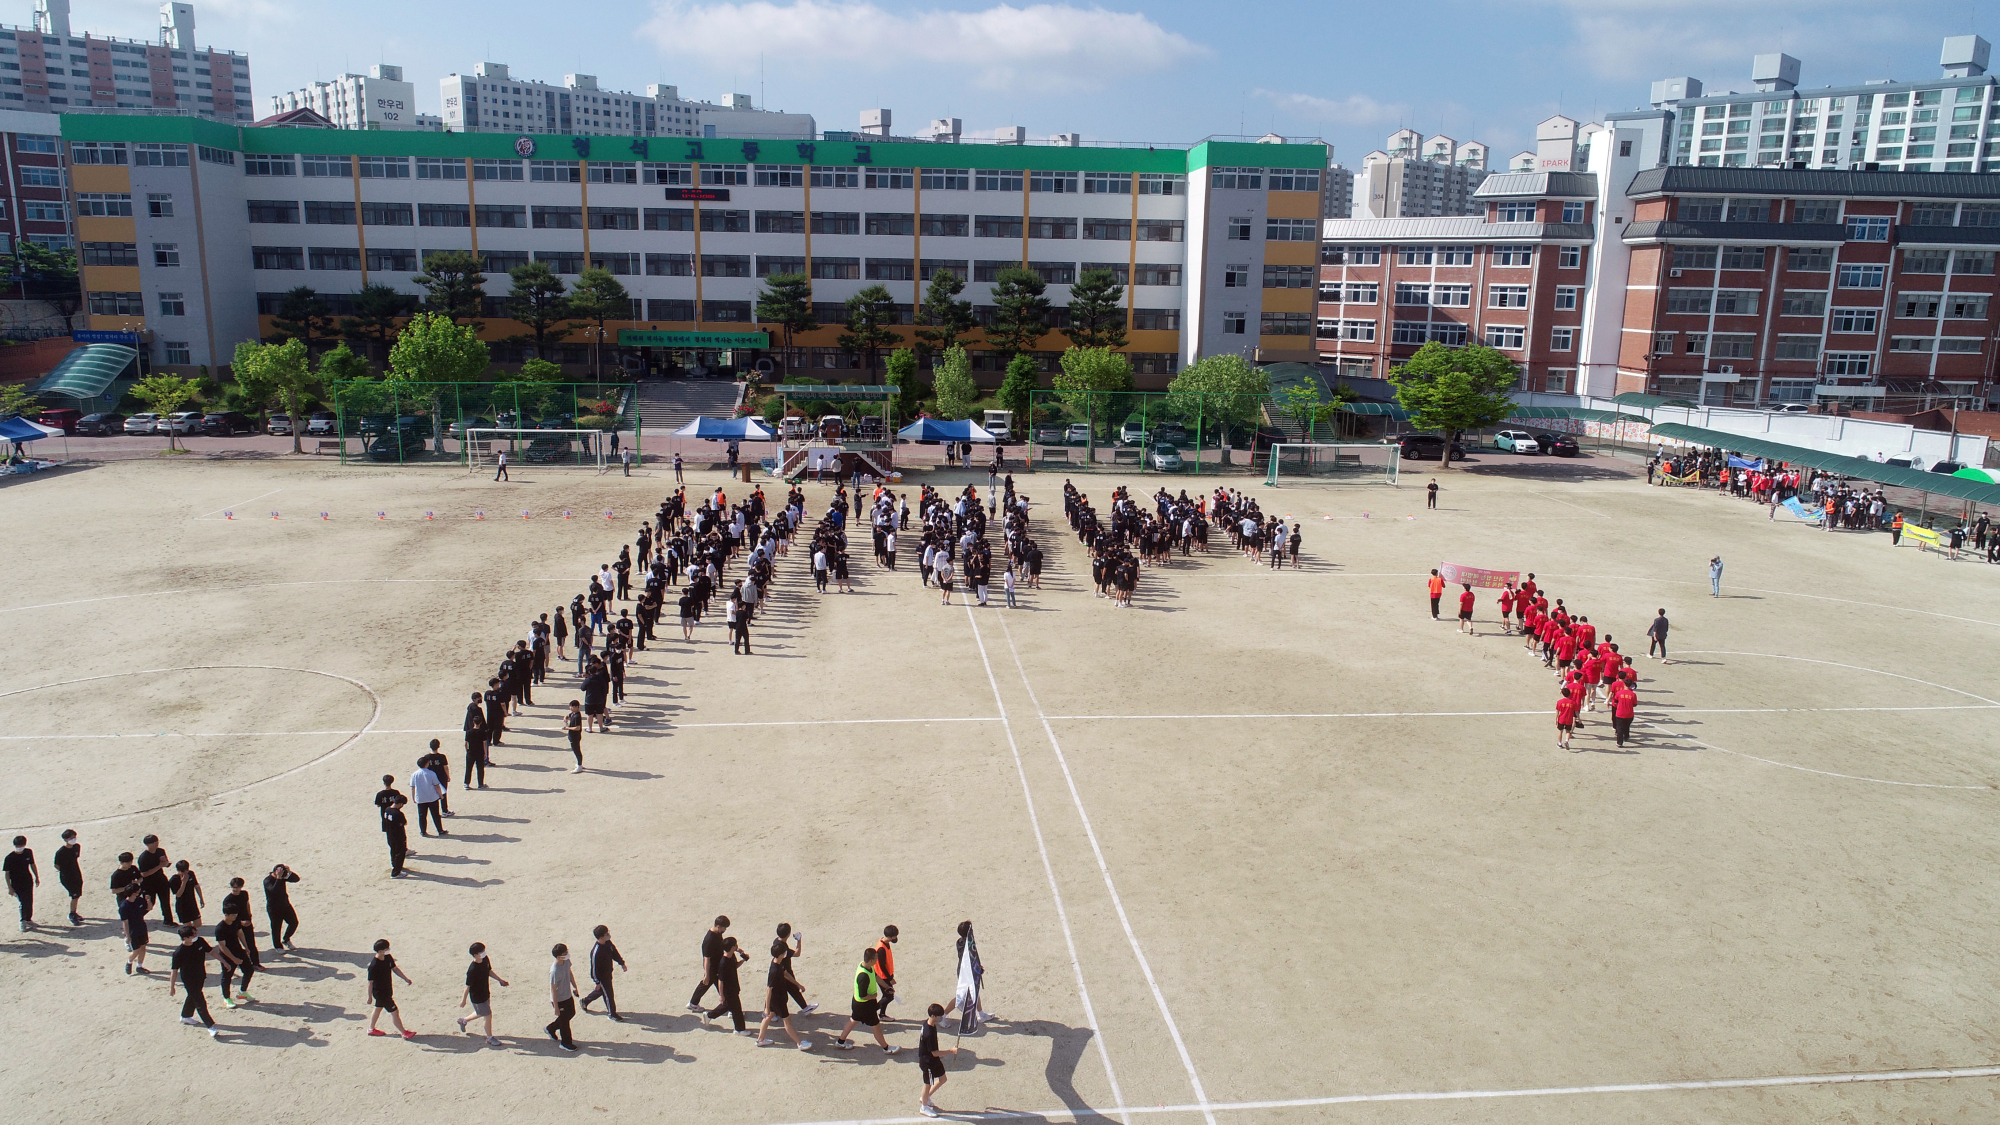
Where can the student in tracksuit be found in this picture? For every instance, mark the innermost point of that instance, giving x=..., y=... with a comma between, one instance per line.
x=603, y=955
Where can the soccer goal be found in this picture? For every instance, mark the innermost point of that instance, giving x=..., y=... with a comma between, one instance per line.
x=572, y=448
x=1343, y=463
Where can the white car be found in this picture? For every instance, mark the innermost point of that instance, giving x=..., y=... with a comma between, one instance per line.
x=1790, y=408
x=1519, y=441
x=185, y=422
x=1133, y=432
x=1165, y=458
x=142, y=423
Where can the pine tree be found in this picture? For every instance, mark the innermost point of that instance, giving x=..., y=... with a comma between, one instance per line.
x=1097, y=311
x=454, y=284
x=538, y=301
x=302, y=315
x=869, y=313
x=1021, y=311
x=943, y=318
x=787, y=302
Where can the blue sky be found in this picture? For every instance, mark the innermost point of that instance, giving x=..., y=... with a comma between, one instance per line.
x=1151, y=71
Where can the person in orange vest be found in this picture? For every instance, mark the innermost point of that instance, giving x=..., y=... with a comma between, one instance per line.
x=885, y=965
x=1437, y=594
x=1896, y=530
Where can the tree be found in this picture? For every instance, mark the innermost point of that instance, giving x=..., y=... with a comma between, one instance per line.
x=1086, y=379
x=1097, y=311
x=377, y=310
x=437, y=351
x=49, y=275
x=1300, y=403
x=302, y=315
x=342, y=365
x=537, y=301
x=956, y=392
x=1455, y=389
x=454, y=284
x=1020, y=311
x=277, y=373
x=943, y=318
x=1223, y=390
x=787, y=302
x=599, y=296
x=15, y=399
x=869, y=313
x=900, y=371
x=164, y=395
x=1017, y=389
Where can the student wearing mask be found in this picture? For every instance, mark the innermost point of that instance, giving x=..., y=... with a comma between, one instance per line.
x=478, y=991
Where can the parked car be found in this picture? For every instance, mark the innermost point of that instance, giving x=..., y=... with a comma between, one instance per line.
x=184, y=422
x=376, y=423
x=1133, y=432
x=1559, y=445
x=457, y=429
x=1425, y=447
x=63, y=418
x=1946, y=467
x=279, y=424
x=1048, y=435
x=419, y=424
x=1790, y=408
x=1172, y=433
x=228, y=423
x=101, y=425
x=397, y=445
x=321, y=423
x=1079, y=433
x=1516, y=441
x=142, y=423
x=549, y=449
x=1165, y=458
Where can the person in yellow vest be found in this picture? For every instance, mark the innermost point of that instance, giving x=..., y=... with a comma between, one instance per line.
x=867, y=1005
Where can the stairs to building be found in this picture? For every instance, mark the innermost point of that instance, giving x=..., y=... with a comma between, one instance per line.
x=665, y=405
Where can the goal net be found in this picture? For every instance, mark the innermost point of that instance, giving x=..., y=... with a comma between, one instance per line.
x=573, y=448
x=1341, y=463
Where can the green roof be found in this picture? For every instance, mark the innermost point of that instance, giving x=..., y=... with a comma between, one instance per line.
x=87, y=371
x=1387, y=410
x=902, y=154
x=1917, y=480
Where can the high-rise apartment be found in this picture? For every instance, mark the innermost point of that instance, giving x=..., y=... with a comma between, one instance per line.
x=379, y=99
x=492, y=100
x=1414, y=176
x=61, y=69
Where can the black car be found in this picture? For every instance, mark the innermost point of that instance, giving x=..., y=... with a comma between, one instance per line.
x=376, y=423
x=229, y=423
x=419, y=424
x=546, y=449
x=1426, y=447
x=397, y=445
x=1560, y=445
x=100, y=425
x=1171, y=434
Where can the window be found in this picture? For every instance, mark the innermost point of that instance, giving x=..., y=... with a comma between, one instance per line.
x=1569, y=257
x=780, y=222
x=1287, y=179
x=1413, y=255
x=890, y=269
x=1933, y=214
x=620, y=265
x=1748, y=211
x=899, y=178
x=825, y=177
x=1238, y=228
x=1853, y=320
x=1233, y=323
x=1815, y=211
x=212, y=155
x=987, y=179
x=1156, y=320
x=444, y=215
x=1849, y=364
x=1695, y=301
x=682, y=265
x=1694, y=257
x=1236, y=276
x=1291, y=230
x=1108, y=230
x=1555, y=380
x=31, y=142
x=614, y=218
x=1565, y=298
x=387, y=215
x=1726, y=345
x=176, y=352
x=1867, y=228
x=334, y=257
x=1361, y=331
x=1162, y=230
x=1107, y=183
x=329, y=166
x=1055, y=273
x=957, y=267
x=1964, y=306
x=160, y=206
x=1506, y=296
x=1511, y=338
x=995, y=226
x=329, y=213
x=1809, y=259
x=106, y=152
x=33, y=175
x=273, y=211
x=1979, y=215
x=1148, y=274
x=117, y=304
x=726, y=312
x=845, y=269
x=94, y=204
x=277, y=258
x=1449, y=256
x=669, y=309
x=166, y=255
x=1514, y=256
x=1236, y=178
x=614, y=172
x=1972, y=261
x=1412, y=294
x=1926, y=261
x=1350, y=255
x=1802, y=302
x=383, y=167
x=1516, y=211
x=667, y=218
x=1359, y=292
x=505, y=215
x=1561, y=339
x=110, y=254
x=1860, y=277
x=1448, y=333
x=568, y=261
x=1162, y=183
x=1061, y=182
x=44, y=211
x=1796, y=347
x=1452, y=296
x=1700, y=211
x=395, y=261
x=1573, y=212
x=843, y=222
x=1288, y=277
x=945, y=226
x=1285, y=324
x=946, y=179
x=1051, y=228
x=1408, y=332
x=500, y=262
x=1663, y=343
x=440, y=168
x=986, y=270
x=725, y=222
x=1736, y=302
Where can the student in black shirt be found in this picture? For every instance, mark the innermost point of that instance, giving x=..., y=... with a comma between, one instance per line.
x=396, y=830
x=278, y=906
x=731, y=987
x=382, y=972
x=235, y=958
x=191, y=972
x=238, y=902
x=126, y=874
x=69, y=869
x=153, y=878
x=475, y=740
x=478, y=992
x=22, y=879
x=603, y=955
x=711, y=961
x=930, y=1068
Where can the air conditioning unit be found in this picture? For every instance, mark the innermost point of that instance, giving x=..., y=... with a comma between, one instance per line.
x=1727, y=370
x=1673, y=273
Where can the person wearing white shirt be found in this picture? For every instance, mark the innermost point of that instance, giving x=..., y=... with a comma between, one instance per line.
x=427, y=791
x=819, y=569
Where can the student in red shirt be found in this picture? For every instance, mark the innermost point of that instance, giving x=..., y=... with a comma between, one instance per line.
x=1465, y=602
x=1551, y=629
x=1507, y=610
x=1592, y=673
x=1586, y=634
x=1528, y=586
x=1565, y=650
x=1624, y=703
x=1565, y=719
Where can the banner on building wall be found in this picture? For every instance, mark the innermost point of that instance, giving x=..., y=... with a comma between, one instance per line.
x=1456, y=574
x=633, y=338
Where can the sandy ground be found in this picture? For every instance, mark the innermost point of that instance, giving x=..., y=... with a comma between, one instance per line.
x=1271, y=847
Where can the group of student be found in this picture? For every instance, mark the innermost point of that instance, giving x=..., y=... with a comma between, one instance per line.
x=955, y=548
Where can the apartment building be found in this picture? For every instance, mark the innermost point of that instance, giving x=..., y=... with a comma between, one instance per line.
x=222, y=222
x=379, y=99
x=34, y=201
x=1414, y=176
x=61, y=69
x=492, y=100
x=1514, y=277
x=1339, y=201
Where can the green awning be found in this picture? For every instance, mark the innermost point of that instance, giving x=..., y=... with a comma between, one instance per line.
x=1574, y=413
x=1939, y=484
x=1377, y=410
x=88, y=371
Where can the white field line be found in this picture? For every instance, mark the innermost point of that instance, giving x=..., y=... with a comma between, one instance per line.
x=235, y=506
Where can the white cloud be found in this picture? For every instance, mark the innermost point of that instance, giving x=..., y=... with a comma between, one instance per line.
x=1715, y=39
x=1354, y=110
x=1055, y=46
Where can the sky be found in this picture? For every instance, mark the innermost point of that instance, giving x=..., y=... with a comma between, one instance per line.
x=1167, y=71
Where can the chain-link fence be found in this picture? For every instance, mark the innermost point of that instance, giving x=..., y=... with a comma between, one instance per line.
x=399, y=423
x=1165, y=431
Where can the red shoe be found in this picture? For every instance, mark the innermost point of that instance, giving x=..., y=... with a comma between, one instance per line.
x=409, y=1035
x=376, y=1031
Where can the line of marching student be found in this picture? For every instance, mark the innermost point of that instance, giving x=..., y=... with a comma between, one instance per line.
x=1592, y=670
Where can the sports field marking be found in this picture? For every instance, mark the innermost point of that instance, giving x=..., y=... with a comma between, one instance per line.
x=1935, y=1074
x=454, y=730
x=1578, y=507
x=1062, y=914
x=352, y=736
x=265, y=586
x=1544, y=711
x=238, y=504
x=1090, y=833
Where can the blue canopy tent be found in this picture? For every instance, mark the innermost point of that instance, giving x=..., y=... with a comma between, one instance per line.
x=937, y=429
x=733, y=429
x=16, y=430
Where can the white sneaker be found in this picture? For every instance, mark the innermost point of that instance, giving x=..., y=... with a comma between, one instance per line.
x=805, y=1044
x=190, y=1021
x=890, y=1050
x=928, y=1110
x=578, y=769
x=212, y=1033
x=809, y=1009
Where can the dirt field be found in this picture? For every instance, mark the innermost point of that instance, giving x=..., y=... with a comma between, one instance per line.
x=1271, y=847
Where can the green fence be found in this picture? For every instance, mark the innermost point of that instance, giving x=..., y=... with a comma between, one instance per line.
x=1164, y=431
x=398, y=423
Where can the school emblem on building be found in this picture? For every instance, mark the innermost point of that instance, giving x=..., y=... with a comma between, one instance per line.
x=524, y=146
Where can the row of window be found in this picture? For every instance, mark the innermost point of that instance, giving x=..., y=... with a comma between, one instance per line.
x=1269, y=324
x=1743, y=345
x=1819, y=259
x=1744, y=302
x=1333, y=254
x=1253, y=179
x=1523, y=211
x=1873, y=228
x=1275, y=230
x=1509, y=337
x=1447, y=296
